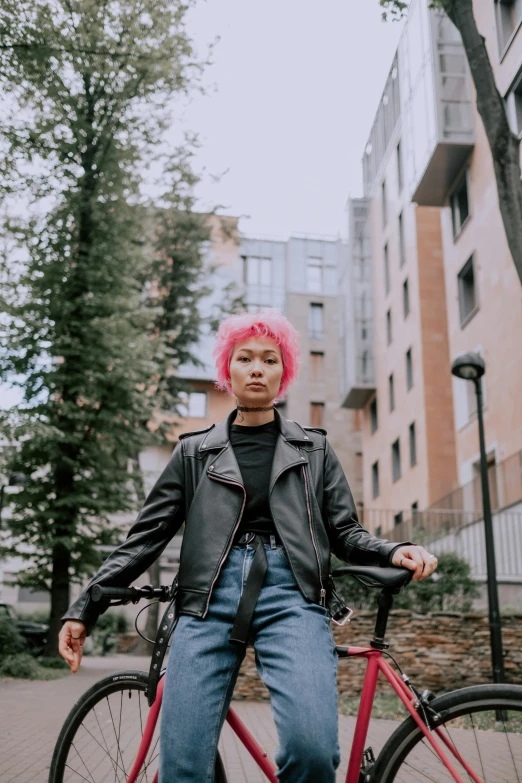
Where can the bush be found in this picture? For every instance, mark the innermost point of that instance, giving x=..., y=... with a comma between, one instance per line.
x=52, y=663
x=112, y=622
x=11, y=640
x=22, y=665
x=453, y=590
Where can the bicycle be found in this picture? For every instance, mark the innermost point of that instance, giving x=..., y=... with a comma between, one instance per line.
x=471, y=734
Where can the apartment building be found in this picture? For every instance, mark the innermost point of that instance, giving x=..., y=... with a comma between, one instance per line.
x=398, y=373
x=429, y=276
x=483, y=292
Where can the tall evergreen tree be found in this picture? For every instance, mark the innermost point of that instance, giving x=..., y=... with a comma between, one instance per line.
x=87, y=86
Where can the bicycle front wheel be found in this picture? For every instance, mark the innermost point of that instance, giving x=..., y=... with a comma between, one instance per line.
x=483, y=726
x=101, y=735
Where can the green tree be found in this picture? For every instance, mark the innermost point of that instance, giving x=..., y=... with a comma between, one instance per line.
x=503, y=143
x=87, y=88
x=451, y=588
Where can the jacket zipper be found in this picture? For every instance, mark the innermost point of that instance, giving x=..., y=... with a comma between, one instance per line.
x=237, y=484
x=322, y=600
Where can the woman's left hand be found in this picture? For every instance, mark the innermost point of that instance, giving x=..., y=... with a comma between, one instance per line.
x=417, y=559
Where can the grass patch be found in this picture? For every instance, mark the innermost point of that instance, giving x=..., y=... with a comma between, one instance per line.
x=385, y=706
x=24, y=667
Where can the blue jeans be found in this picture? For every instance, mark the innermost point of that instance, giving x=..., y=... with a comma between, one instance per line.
x=295, y=657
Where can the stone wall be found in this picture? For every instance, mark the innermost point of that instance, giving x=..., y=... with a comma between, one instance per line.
x=440, y=651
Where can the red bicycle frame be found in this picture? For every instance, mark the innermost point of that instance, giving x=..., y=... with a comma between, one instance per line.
x=376, y=664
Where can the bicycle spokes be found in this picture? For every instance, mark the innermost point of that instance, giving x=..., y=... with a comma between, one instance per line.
x=483, y=748
x=107, y=739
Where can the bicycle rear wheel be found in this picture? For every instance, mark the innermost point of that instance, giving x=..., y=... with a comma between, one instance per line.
x=101, y=735
x=469, y=721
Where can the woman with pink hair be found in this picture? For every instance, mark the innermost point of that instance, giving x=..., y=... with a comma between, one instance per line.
x=265, y=501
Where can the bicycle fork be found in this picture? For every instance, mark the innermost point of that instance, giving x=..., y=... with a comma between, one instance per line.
x=148, y=733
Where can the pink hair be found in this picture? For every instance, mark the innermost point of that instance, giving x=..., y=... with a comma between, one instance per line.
x=263, y=323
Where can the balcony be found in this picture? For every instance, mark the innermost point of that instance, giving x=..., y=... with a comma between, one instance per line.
x=356, y=359
x=439, y=110
x=459, y=532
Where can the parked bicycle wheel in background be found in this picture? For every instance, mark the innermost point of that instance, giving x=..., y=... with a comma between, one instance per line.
x=102, y=734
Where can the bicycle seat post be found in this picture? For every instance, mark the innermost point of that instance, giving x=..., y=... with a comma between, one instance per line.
x=385, y=604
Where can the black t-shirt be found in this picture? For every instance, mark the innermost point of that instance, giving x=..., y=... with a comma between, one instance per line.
x=254, y=449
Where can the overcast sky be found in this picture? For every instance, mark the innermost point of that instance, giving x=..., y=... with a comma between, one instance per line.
x=297, y=87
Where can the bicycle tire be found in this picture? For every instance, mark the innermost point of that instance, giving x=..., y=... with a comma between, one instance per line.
x=467, y=716
x=97, y=759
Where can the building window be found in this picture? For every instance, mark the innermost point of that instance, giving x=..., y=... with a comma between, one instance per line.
x=315, y=322
x=467, y=292
x=316, y=414
x=374, y=415
x=364, y=364
x=514, y=105
x=193, y=405
x=399, y=166
x=508, y=15
x=388, y=327
x=396, y=460
x=391, y=390
x=257, y=271
x=384, y=205
x=406, y=298
x=402, y=247
x=314, y=276
x=386, y=270
x=409, y=369
x=397, y=519
x=460, y=204
x=317, y=365
x=413, y=445
x=375, y=479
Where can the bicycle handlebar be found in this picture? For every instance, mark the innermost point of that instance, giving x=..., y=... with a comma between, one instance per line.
x=130, y=594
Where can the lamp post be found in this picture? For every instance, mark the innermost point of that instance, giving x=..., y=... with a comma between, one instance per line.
x=470, y=367
x=14, y=480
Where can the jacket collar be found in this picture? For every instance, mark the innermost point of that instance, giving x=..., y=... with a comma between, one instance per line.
x=286, y=454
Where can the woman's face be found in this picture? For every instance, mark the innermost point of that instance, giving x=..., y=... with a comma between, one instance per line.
x=256, y=360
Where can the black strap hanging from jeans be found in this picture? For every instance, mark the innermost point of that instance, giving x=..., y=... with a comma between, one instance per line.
x=245, y=610
x=250, y=594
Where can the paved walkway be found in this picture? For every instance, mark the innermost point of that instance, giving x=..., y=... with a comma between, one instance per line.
x=32, y=713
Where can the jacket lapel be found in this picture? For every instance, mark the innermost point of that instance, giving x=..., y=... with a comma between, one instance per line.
x=286, y=454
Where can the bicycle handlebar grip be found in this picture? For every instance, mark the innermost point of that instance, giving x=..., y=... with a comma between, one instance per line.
x=98, y=593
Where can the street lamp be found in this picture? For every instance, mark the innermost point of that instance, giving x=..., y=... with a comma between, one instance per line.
x=470, y=367
x=14, y=480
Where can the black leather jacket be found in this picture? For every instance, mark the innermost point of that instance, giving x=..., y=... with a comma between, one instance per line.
x=311, y=503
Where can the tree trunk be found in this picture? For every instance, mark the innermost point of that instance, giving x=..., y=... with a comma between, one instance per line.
x=503, y=143
x=59, y=596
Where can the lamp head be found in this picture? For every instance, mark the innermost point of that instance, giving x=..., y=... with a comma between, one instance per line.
x=468, y=366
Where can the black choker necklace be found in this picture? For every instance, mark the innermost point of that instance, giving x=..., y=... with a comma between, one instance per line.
x=241, y=408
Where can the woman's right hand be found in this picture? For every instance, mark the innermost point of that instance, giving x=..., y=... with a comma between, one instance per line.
x=70, y=642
